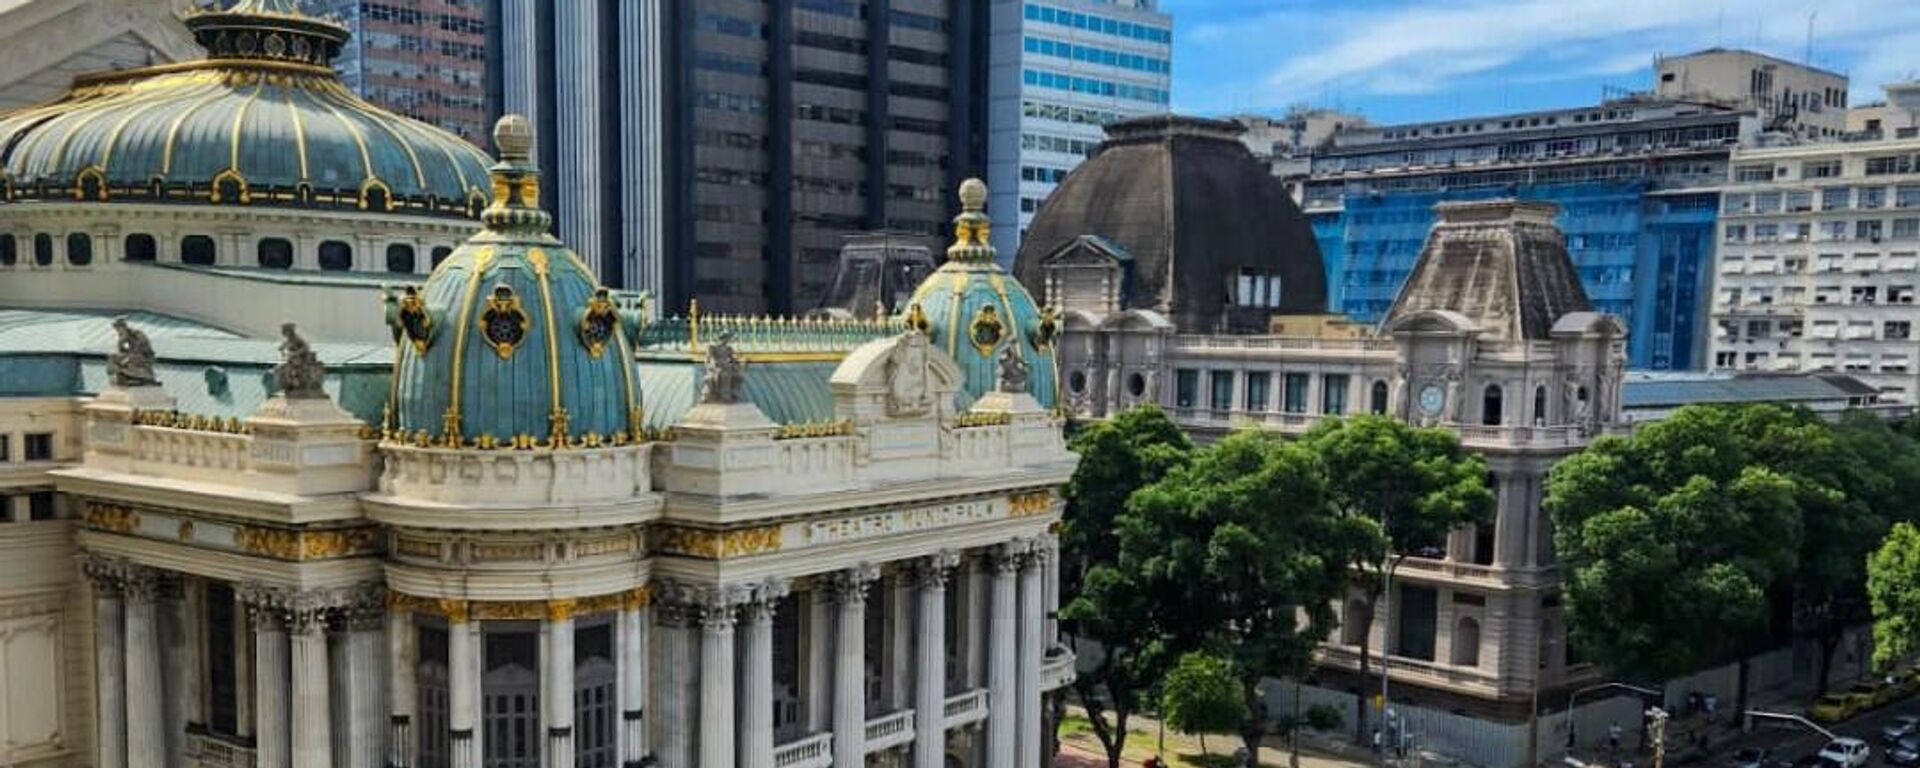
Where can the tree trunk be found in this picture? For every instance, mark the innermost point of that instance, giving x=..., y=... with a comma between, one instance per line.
x=1741, y=707
x=1829, y=642
x=1113, y=738
x=1293, y=733
x=1203, y=743
x=1366, y=665
x=1254, y=730
x=1120, y=742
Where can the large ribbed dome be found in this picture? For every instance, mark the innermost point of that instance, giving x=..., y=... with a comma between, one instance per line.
x=1193, y=207
x=512, y=342
x=974, y=310
x=262, y=120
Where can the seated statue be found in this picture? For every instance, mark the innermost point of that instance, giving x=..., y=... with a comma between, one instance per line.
x=299, y=376
x=132, y=364
x=725, y=372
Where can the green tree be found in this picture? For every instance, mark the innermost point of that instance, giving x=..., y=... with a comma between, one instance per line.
x=1242, y=556
x=1201, y=696
x=1103, y=602
x=1670, y=539
x=1868, y=469
x=1413, y=486
x=1893, y=588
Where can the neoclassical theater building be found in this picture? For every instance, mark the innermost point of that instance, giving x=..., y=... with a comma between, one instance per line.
x=480, y=511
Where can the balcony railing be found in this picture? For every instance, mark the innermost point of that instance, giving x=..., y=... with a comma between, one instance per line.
x=966, y=708
x=1056, y=670
x=814, y=751
x=889, y=731
x=213, y=752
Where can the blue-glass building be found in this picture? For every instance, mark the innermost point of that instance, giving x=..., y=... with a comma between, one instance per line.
x=1634, y=180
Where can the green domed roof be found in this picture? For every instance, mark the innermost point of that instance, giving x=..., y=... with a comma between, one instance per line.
x=512, y=341
x=262, y=121
x=973, y=309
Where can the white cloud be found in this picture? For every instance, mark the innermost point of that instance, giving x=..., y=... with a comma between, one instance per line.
x=1291, y=54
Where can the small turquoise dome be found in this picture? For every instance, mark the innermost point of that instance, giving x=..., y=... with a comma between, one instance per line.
x=973, y=309
x=263, y=120
x=512, y=342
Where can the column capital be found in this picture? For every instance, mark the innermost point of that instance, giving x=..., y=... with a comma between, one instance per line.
x=765, y=599
x=712, y=606
x=116, y=576
x=932, y=571
x=1012, y=556
x=850, y=585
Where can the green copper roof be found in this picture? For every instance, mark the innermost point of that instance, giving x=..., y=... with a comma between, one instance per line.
x=512, y=334
x=787, y=392
x=974, y=310
x=262, y=121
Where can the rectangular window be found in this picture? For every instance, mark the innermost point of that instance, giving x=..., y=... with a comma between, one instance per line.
x=1836, y=199
x=1333, y=394
x=6, y=448
x=39, y=446
x=1896, y=330
x=1753, y=173
x=1873, y=197
x=1820, y=169
x=1906, y=229
x=1222, y=384
x=1296, y=393
x=1906, y=196
x=1186, y=387
x=1866, y=230
x=40, y=505
x=1257, y=382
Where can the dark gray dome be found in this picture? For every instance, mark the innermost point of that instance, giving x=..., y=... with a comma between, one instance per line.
x=1193, y=207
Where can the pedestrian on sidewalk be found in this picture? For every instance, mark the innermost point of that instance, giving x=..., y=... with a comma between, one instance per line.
x=1376, y=741
x=1613, y=738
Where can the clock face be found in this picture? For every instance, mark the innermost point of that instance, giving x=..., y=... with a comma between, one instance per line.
x=1431, y=398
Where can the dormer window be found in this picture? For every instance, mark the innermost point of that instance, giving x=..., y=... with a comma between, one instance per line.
x=1257, y=288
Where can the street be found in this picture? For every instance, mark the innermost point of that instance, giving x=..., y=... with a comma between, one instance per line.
x=1786, y=742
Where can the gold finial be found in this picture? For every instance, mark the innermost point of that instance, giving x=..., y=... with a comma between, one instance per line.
x=972, y=227
x=513, y=137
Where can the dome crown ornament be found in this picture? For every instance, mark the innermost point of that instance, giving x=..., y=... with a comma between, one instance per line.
x=268, y=29
x=972, y=228
x=516, y=182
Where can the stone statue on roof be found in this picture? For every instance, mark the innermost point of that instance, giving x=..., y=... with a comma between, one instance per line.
x=726, y=372
x=299, y=375
x=1013, y=369
x=131, y=365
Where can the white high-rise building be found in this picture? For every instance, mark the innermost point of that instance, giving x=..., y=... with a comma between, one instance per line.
x=1061, y=69
x=1819, y=262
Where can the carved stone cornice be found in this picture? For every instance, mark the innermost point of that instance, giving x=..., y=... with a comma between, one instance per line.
x=850, y=585
x=716, y=545
x=459, y=611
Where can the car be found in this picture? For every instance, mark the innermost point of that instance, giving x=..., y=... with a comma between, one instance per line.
x=1849, y=752
x=1834, y=707
x=1901, y=725
x=1870, y=694
x=1904, y=751
x=1751, y=757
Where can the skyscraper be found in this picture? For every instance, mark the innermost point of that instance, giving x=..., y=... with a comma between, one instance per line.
x=720, y=149
x=1062, y=69
x=425, y=59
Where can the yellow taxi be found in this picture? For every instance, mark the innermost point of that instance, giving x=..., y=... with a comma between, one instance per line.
x=1834, y=707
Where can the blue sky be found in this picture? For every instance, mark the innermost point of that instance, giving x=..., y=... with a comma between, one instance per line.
x=1407, y=60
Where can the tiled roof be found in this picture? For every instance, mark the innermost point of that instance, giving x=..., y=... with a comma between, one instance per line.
x=1649, y=393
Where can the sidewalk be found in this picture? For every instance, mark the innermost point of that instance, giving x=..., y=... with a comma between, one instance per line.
x=1079, y=748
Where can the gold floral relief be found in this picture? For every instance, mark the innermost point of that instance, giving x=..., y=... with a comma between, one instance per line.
x=283, y=544
x=113, y=518
x=504, y=322
x=716, y=545
x=1029, y=504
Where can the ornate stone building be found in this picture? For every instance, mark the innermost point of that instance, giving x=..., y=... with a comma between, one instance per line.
x=1493, y=338
x=560, y=535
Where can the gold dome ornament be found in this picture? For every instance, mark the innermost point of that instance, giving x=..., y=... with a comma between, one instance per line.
x=513, y=137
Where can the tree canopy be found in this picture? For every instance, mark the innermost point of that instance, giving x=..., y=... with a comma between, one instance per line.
x=1202, y=696
x=1893, y=586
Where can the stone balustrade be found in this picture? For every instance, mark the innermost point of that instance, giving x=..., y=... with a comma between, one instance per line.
x=1057, y=670
x=889, y=731
x=964, y=709
x=814, y=751
x=209, y=751
x=508, y=477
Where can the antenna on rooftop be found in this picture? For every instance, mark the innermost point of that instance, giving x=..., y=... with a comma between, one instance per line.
x=1808, y=60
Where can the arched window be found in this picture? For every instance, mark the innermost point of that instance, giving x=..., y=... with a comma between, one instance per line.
x=440, y=254
x=336, y=256
x=400, y=258
x=9, y=250
x=43, y=250
x=79, y=249
x=140, y=248
x=1378, y=399
x=275, y=253
x=1540, y=406
x=1353, y=622
x=1466, y=642
x=1490, y=406
x=1077, y=382
x=510, y=697
x=594, y=680
x=196, y=249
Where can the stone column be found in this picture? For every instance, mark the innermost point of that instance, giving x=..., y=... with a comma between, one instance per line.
x=109, y=665
x=463, y=687
x=180, y=630
x=930, y=661
x=850, y=666
x=672, y=698
x=632, y=641
x=756, y=700
x=1050, y=582
x=146, y=689
x=717, y=726
x=974, y=618
x=244, y=720
x=1002, y=680
x=272, y=740
x=1030, y=650
x=365, y=674
x=403, y=692
x=898, y=666
x=312, y=702
x=557, y=680
x=816, y=665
